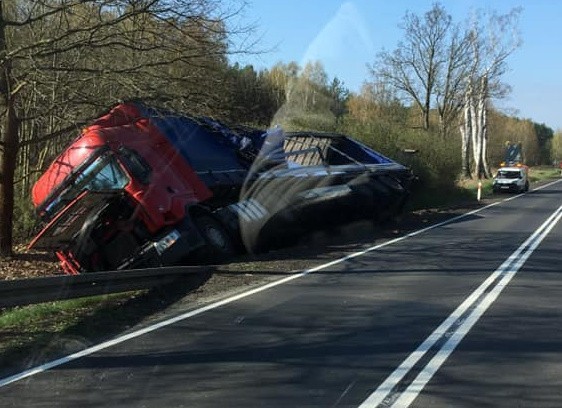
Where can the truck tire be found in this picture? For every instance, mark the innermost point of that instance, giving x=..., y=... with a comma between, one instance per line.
x=218, y=244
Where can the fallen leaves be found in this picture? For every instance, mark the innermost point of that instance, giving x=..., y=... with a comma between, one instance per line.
x=27, y=263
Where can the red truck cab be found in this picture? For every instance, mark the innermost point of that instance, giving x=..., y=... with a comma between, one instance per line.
x=121, y=168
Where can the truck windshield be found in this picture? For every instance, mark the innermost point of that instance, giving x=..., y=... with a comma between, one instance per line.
x=103, y=174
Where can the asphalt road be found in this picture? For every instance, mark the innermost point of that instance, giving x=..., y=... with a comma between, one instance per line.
x=466, y=314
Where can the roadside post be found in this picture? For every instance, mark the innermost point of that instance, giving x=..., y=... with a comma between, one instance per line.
x=479, y=194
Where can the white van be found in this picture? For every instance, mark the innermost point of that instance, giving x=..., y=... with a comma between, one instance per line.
x=511, y=179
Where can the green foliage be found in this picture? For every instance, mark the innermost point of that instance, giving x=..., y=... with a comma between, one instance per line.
x=556, y=148
x=540, y=173
x=250, y=97
x=436, y=163
x=536, y=139
x=27, y=329
x=544, y=140
x=377, y=103
x=32, y=315
x=310, y=101
x=339, y=97
x=25, y=220
x=291, y=119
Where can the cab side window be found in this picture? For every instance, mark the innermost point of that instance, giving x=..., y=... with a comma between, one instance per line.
x=136, y=164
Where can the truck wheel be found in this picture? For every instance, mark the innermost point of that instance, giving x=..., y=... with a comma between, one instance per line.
x=219, y=245
x=526, y=187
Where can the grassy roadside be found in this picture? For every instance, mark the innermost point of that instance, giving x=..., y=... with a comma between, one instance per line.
x=541, y=173
x=32, y=334
x=37, y=333
x=466, y=190
x=29, y=331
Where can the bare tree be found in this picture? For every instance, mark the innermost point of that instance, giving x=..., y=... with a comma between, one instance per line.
x=492, y=41
x=417, y=65
x=454, y=69
x=450, y=84
x=62, y=61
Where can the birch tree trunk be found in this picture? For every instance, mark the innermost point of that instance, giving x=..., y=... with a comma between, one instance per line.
x=483, y=119
x=466, y=131
x=475, y=133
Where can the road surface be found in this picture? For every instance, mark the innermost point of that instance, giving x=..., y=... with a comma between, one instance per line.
x=466, y=314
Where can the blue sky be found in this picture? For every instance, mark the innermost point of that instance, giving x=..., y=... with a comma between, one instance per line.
x=346, y=35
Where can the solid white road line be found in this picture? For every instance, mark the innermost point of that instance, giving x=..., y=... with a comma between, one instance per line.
x=478, y=303
x=88, y=351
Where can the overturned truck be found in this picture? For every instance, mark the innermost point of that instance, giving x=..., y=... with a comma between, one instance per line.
x=143, y=187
